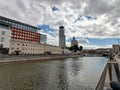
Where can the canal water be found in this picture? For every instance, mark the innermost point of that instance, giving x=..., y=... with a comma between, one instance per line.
x=62, y=74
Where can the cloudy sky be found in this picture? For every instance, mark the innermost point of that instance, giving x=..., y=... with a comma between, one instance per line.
x=94, y=23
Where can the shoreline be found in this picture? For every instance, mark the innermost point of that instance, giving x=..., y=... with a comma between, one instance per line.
x=34, y=58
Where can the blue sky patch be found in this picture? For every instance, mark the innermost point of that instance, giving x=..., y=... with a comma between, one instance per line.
x=78, y=19
x=103, y=42
x=47, y=29
x=98, y=41
x=55, y=9
x=90, y=17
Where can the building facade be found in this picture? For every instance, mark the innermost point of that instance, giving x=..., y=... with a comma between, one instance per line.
x=21, y=31
x=27, y=47
x=116, y=48
x=21, y=38
x=5, y=35
x=62, y=38
x=74, y=42
x=43, y=39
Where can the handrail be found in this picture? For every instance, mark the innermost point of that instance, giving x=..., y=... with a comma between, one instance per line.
x=102, y=79
x=113, y=73
x=102, y=83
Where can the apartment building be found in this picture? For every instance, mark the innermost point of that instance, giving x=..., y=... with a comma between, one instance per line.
x=116, y=48
x=21, y=38
x=5, y=35
x=27, y=47
x=43, y=39
x=21, y=31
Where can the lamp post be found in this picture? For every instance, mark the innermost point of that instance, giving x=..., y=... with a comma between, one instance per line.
x=119, y=44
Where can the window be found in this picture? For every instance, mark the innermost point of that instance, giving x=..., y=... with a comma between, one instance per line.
x=2, y=39
x=1, y=45
x=3, y=32
x=12, y=48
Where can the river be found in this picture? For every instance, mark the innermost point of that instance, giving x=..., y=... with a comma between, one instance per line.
x=81, y=73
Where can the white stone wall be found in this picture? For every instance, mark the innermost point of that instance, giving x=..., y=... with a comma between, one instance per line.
x=6, y=36
x=26, y=47
x=66, y=51
x=56, y=50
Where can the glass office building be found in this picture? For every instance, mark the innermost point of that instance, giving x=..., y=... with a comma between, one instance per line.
x=43, y=39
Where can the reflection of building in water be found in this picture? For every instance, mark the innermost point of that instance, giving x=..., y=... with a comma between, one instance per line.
x=62, y=77
x=74, y=42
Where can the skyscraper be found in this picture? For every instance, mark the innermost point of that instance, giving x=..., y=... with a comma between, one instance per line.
x=43, y=39
x=62, y=38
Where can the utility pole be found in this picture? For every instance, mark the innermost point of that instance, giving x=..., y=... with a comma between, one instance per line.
x=119, y=43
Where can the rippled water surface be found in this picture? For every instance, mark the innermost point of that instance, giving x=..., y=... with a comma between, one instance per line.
x=62, y=74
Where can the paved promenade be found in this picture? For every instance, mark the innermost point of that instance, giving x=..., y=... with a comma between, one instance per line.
x=117, y=59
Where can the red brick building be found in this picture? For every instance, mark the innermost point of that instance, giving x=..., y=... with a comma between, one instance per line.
x=22, y=31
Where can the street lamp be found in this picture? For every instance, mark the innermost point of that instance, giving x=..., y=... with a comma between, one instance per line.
x=119, y=44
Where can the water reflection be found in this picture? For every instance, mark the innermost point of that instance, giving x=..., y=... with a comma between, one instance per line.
x=67, y=74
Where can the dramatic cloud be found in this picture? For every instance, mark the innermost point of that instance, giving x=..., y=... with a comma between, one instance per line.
x=83, y=41
x=81, y=18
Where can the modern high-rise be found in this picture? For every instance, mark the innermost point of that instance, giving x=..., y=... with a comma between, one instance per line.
x=43, y=39
x=62, y=38
x=20, y=38
x=14, y=30
x=21, y=31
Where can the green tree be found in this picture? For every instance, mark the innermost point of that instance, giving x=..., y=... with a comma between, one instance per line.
x=81, y=48
x=71, y=48
x=74, y=48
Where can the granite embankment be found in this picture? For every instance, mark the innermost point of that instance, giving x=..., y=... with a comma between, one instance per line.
x=8, y=59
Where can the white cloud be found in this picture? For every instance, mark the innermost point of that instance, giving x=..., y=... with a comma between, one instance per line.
x=83, y=41
x=35, y=12
x=95, y=46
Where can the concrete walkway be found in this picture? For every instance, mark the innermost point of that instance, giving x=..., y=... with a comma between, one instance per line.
x=117, y=59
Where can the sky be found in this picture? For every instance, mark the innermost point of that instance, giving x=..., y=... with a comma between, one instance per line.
x=94, y=23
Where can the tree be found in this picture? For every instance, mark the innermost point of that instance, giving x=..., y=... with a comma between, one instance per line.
x=71, y=48
x=74, y=48
x=81, y=48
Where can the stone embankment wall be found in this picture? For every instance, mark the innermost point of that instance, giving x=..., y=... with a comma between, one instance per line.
x=8, y=59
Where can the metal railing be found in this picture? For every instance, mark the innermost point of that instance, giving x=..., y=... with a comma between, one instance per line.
x=111, y=70
x=102, y=79
x=113, y=73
